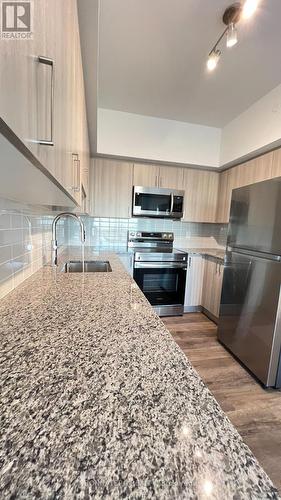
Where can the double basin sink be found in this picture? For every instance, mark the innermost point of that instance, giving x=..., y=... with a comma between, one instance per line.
x=88, y=266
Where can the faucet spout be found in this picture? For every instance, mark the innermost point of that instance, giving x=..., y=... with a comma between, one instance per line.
x=54, y=234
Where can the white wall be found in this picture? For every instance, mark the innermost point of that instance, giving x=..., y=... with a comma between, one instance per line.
x=144, y=137
x=255, y=130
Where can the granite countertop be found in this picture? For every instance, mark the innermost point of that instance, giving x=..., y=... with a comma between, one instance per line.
x=98, y=401
x=212, y=252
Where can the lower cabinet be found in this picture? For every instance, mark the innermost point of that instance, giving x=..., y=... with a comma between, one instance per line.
x=212, y=285
x=203, y=284
x=194, y=282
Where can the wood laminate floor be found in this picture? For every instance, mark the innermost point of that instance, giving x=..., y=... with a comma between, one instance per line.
x=254, y=411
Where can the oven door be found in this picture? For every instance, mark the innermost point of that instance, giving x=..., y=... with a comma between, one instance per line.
x=163, y=284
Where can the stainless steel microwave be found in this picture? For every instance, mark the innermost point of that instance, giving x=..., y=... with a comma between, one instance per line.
x=157, y=202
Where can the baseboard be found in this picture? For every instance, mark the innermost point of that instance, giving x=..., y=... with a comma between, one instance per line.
x=209, y=315
x=192, y=309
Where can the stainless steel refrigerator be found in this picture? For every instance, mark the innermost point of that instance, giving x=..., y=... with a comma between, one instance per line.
x=250, y=310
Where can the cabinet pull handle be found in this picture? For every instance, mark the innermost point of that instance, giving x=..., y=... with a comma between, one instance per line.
x=156, y=180
x=172, y=203
x=76, y=187
x=189, y=262
x=49, y=62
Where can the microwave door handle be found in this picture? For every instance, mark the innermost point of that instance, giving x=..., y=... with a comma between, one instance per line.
x=172, y=203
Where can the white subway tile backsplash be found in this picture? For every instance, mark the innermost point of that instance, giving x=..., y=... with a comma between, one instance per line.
x=6, y=270
x=5, y=221
x=6, y=286
x=18, y=278
x=25, y=237
x=19, y=249
x=10, y=236
x=112, y=233
x=25, y=242
x=5, y=254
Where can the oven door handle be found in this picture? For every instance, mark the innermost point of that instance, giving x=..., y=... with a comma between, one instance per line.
x=160, y=265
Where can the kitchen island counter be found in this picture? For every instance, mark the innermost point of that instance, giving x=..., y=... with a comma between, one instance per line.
x=98, y=401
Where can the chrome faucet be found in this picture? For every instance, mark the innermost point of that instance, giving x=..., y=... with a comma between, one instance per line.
x=54, y=234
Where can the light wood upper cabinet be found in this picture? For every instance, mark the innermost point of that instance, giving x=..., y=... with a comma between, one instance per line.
x=170, y=177
x=201, y=193
x=158, y=176
x=259, y=169
x=146, y=175
x=224, y=197
x=80, y=141
x=276, y=163
x=66, y=123
x=23, y=81
x=256, y=170
x=27, y=83
x=111, y=188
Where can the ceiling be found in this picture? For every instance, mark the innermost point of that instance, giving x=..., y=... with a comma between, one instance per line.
x=152, y=59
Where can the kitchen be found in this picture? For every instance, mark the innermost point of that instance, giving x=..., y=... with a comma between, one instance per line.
x=139, y=210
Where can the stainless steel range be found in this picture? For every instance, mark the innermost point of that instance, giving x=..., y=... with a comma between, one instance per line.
x=159, y=270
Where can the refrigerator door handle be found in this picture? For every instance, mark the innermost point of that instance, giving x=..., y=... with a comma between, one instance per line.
x=253, y=253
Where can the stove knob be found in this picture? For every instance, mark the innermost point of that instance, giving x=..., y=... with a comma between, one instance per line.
x=132, y=234
x=165, y=236
x=138, y=235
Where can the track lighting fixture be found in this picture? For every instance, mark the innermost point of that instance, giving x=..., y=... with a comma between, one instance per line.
x=249, y=8
x=213, y=59
x=231, y=17
x=231, y=35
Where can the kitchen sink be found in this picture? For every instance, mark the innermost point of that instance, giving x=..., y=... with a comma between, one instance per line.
x=90, y=266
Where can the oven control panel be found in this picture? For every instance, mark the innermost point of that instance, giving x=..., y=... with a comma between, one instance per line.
x=144, y=235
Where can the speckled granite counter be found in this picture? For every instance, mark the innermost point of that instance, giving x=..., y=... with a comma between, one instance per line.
x=212, y=252
x=97, y=400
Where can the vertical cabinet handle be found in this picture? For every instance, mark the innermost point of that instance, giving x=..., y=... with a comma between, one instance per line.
x=189, y=261
x=76, y=160
x=172, y=203
x=49, y=62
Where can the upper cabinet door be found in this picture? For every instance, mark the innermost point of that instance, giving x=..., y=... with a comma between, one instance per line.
x=224, y=197
x=20, y=98
x=201, y=193
x=256, y=170
x=171, y=177
x=111, y=188
x=276, y=163
x=146, y=175
x=42, y=92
